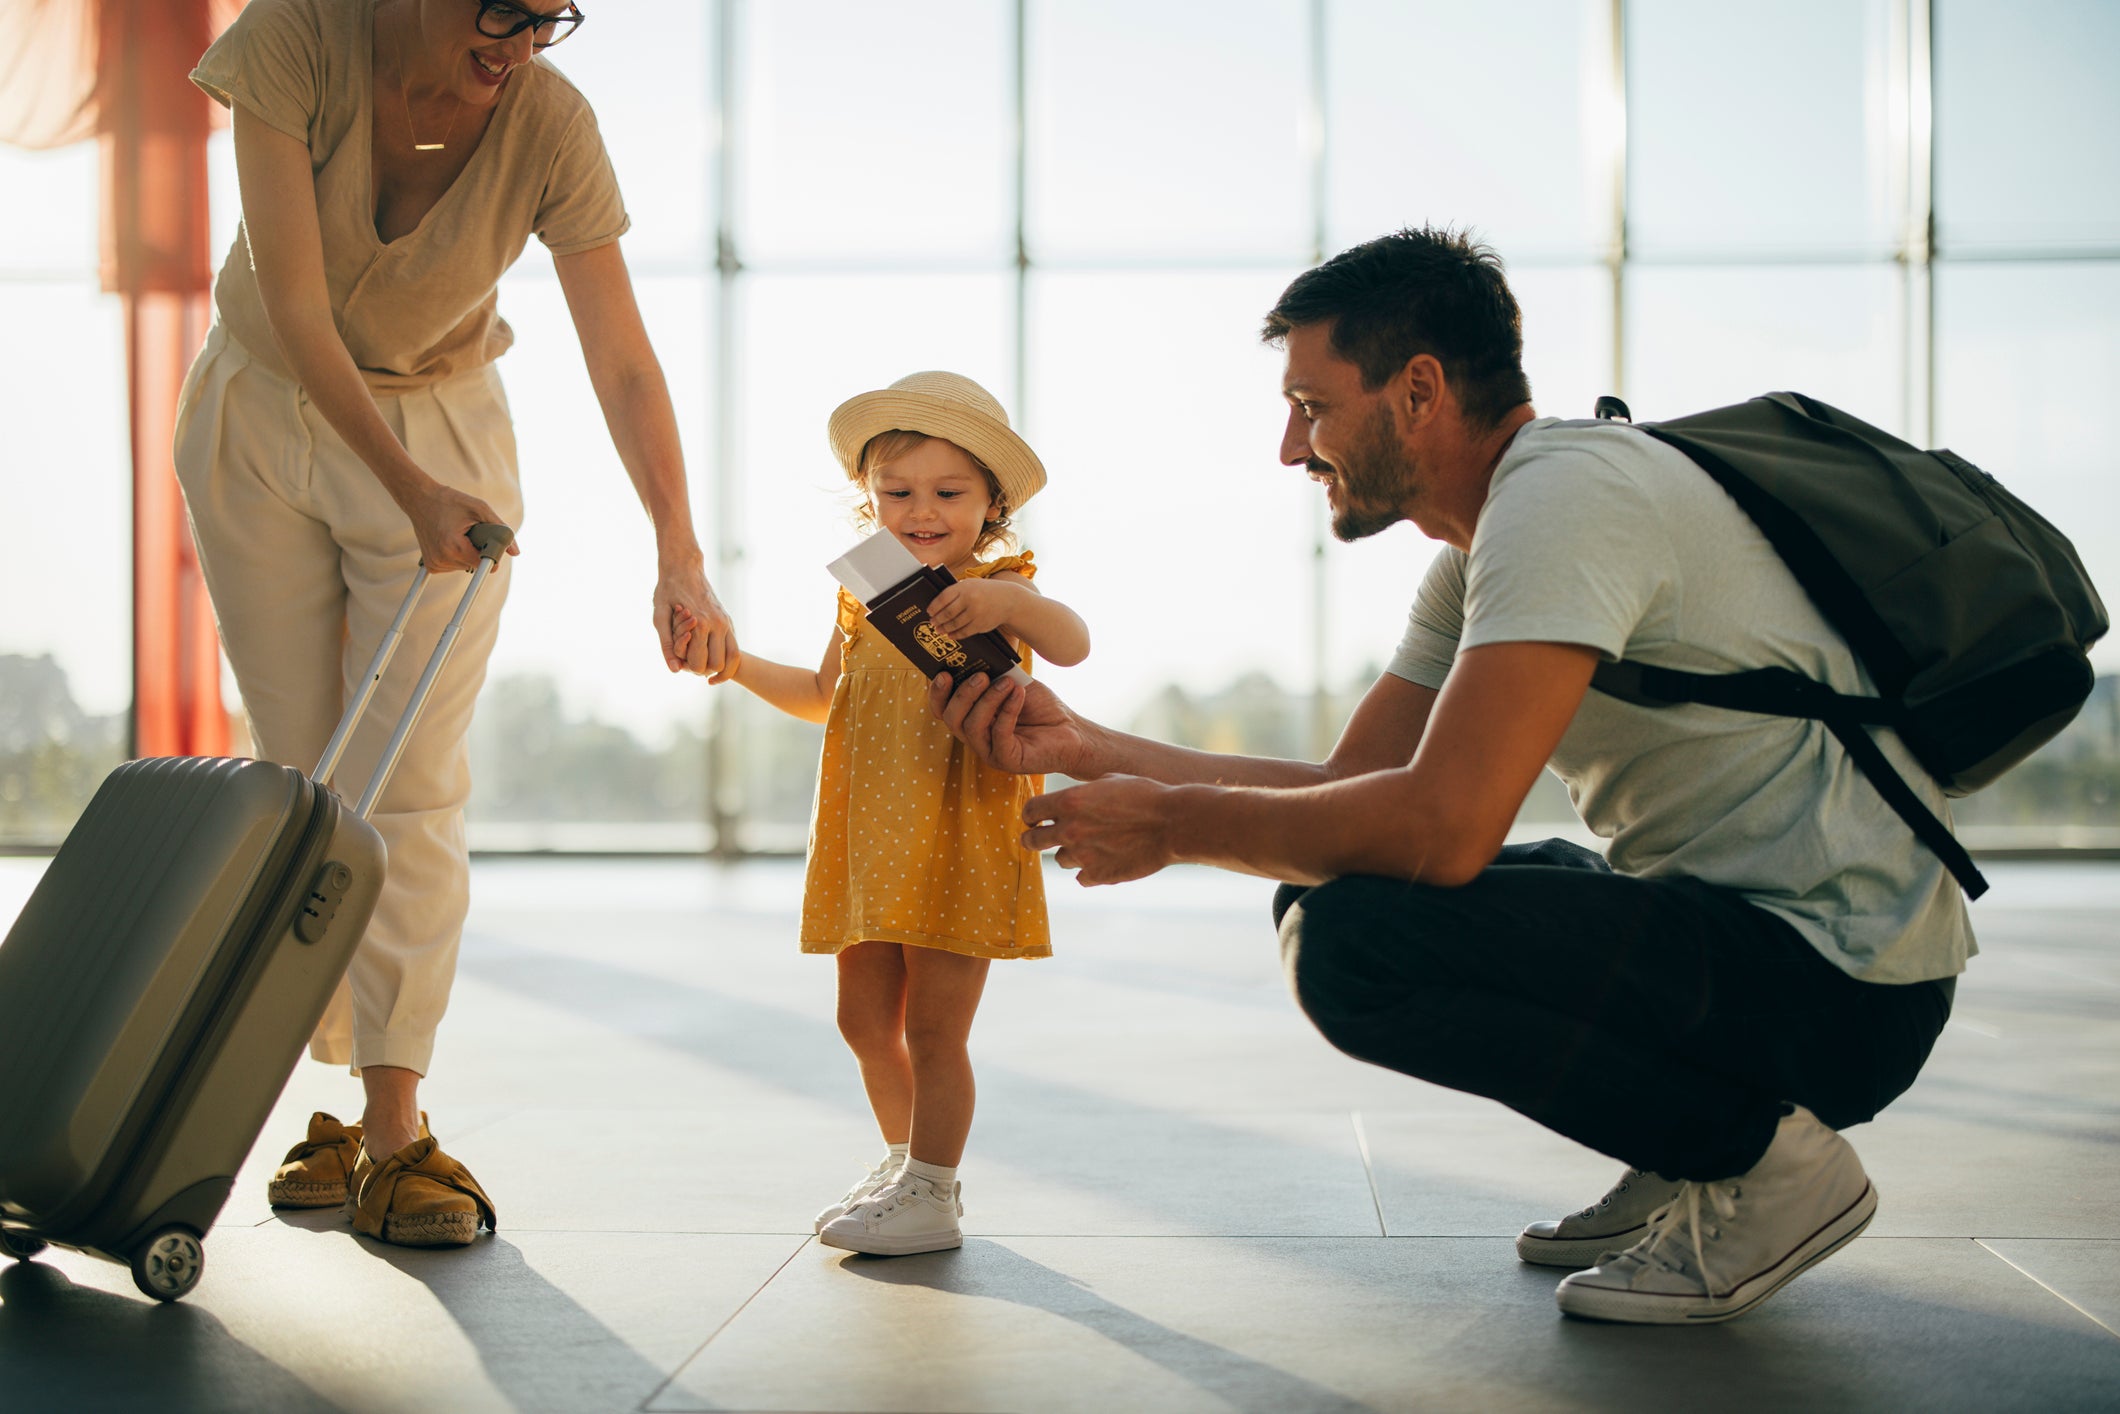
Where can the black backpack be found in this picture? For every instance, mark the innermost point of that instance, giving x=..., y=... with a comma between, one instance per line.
x=1972, y=614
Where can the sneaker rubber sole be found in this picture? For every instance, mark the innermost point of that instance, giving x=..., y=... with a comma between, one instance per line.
x=1597, y=1303
x=878, y=1245
x=1575, y=1253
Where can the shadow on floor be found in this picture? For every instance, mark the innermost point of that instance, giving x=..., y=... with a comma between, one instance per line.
x=1942, y=1358
x=783, y=1048
x=69, y=1347
x=538, y=1346
x=990, y=1270
x=1949, y=1349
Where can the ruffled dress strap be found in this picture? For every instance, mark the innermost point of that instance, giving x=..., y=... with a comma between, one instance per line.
x=852, y=617
x=1021, y=564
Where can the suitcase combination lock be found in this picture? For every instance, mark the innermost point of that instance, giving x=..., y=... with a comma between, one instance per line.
x=326, y=892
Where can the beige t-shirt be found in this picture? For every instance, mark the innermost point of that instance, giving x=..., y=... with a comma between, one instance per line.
x=421, y=308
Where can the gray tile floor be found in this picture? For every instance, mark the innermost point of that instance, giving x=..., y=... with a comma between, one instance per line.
x=1178, y=1197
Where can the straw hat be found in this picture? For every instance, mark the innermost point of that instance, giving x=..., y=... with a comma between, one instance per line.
x=946, y=405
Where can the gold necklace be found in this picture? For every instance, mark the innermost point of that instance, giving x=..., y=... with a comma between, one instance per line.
x=405, y=92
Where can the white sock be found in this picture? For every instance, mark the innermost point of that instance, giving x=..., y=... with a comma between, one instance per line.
x=894, y=1157
x=943, y=1178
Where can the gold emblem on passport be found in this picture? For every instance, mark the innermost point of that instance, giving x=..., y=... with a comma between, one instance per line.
x=939, y=645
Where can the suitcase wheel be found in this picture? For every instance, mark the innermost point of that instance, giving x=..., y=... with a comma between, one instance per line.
x=169, y=1264
x=20, y=1245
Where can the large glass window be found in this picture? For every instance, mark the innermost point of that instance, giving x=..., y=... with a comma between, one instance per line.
x=828, y=194
x=660, y=133
x=2027, y=345
x=1170, y=525
x=1161, y=131
x=1567, y=313
x=2027, y=355
x=2027, y=126
x=577, y=683
x=1703, y=336
x=875, y=133
x=1458, y=115
x=65, y=503
x=583, y=738
x=1786, y=152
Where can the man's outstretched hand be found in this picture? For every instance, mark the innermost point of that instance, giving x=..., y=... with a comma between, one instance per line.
x=1108, y=830
x=1025, y=730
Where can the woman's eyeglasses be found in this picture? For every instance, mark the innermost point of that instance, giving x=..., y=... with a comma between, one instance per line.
x=503, y=19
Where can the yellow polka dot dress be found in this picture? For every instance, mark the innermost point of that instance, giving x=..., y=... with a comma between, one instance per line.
x=913, y=839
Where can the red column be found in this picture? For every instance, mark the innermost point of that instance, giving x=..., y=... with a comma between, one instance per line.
x=154, y=125
x=177, y=708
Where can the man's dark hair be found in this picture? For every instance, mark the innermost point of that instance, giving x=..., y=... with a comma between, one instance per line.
x=1426, y=291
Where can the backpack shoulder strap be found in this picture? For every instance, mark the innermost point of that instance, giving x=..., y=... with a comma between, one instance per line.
x=1816, y=568
x=1783, y=693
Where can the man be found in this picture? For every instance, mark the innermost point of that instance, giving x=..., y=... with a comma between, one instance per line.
x=1768, y=956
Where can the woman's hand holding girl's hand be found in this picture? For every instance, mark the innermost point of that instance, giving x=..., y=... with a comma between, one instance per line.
x=440, y=516
x=973, y=606
x=685, y=628
x=710, y=647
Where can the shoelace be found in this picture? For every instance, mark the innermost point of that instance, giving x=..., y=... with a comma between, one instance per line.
x=1683, y=1212
x=870, y=1184
x=880, y=1204
x=1626, y=1180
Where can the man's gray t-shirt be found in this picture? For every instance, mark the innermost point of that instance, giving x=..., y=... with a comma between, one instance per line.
x=1599, y=535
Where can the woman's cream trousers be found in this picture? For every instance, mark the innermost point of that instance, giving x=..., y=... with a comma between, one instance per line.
x=307, y=559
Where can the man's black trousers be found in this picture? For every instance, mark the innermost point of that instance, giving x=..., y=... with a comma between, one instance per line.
x=1662, y=1021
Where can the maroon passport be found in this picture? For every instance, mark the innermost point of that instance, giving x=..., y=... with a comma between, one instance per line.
x=898, y=610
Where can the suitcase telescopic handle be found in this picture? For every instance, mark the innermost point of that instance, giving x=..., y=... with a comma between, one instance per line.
x=492, y=542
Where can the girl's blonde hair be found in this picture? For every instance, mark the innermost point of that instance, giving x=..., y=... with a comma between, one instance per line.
x=886, y=447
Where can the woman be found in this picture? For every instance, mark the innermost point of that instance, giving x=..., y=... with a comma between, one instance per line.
x=345, y=422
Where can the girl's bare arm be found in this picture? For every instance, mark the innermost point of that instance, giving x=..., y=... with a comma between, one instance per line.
x=795, y=691
x=1010, y=602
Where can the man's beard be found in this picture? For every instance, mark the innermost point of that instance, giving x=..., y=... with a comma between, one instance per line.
x=1371, y=478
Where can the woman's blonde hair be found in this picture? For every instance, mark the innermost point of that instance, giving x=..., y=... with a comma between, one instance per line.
x=886, y=447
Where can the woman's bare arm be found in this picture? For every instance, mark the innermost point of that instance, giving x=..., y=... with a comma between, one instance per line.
x=635, y=398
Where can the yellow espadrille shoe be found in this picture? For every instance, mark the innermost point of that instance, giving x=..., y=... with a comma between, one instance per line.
x=316, y=1171
x=419, y=1197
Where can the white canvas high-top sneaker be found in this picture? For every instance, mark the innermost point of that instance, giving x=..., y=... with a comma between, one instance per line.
x=1719, y=1249
x=1613, y=1223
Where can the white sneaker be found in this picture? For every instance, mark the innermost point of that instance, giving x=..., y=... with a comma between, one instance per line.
x=874, y=1179
x=1613, y=1223
x=908, y=1214
x=1721, y=1248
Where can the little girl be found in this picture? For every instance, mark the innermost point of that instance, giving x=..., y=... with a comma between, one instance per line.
x=917, y=877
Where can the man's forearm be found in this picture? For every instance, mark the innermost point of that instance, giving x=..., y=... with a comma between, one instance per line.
x=1310, y=835
x=1119, y=753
